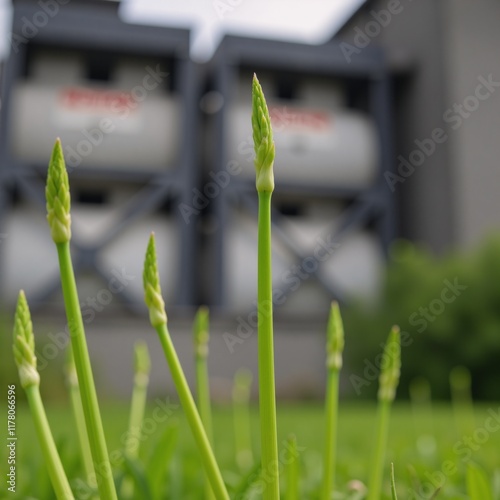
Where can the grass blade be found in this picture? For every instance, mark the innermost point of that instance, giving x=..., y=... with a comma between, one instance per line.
x=160, y=458
x=478, y=486
x=137, y=475
x=248, y=481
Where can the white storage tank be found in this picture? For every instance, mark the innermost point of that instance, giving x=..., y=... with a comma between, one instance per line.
x=354, y=265
x=319, y=141
x=128, y=120
x=32, y=258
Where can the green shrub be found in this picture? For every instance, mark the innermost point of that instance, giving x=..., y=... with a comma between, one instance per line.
x=449, y=312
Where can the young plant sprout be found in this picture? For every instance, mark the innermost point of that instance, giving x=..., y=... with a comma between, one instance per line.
x=334, y=349
x=393, y=484
x=264, y=160
x=292, y=470
x=158, y=319
x=242, y=385
x=388, y=383
x=142, y=367
x=24, y=355
x=81, y=429
x=151, y=478
x=461, y=399
x=58, y=215
x=422, y=412
x=201, y=337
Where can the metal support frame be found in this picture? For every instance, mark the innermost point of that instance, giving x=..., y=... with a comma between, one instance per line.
x=85, y=27
x=374, y=203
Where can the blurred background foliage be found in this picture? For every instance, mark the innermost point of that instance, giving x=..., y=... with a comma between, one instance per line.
x=439, y=335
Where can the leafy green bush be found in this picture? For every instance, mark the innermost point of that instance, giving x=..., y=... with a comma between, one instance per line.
x=448, y=310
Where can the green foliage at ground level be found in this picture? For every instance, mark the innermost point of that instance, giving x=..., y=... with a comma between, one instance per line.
x=448, y=310
x=427, y=449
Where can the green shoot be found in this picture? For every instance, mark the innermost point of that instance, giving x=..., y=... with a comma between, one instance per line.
x=478, y=483
x=264, y=159
x=292, y=470
x=161, y=457
x=81, y=430
x=142, y=366
x=241, y=414
x=334, y=349
x=201, y=337
x=24, y=355
x=158, y=318
x=461, y=398
x=388, y=382
x=393, y=484
x=421, y=405
x=59, y=218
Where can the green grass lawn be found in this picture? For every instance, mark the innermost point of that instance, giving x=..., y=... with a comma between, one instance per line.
x=427, y=450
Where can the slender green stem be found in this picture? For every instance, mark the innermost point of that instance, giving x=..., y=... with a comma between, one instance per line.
x=331, y=413
x=203, y=393
x=241, y=416
x=461, y=398
x=292, y=470
x=81, y=429
x=49, y=450
x=158, y=319
x=334, y=350
x=90, y=403
x=137, y=409
x=192, y=414
x=388, y=382
x=382, y=431
x=421, y=405
x=58, y=200
x=393, y=484
x=269, y=437
x=201, y=337
x=264, y=182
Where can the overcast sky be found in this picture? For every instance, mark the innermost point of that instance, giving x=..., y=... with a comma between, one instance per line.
x=311, y=21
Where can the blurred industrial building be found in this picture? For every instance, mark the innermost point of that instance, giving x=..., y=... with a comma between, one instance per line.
x=387, y=130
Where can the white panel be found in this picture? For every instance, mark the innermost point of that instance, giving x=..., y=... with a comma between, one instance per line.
x=313, y=145
x=355, y=266
x=99, y=126
x=30, y=256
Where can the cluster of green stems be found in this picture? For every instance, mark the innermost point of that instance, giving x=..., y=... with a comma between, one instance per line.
x=95, y=459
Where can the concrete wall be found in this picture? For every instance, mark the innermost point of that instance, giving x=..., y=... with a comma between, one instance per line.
x=438, y=50
x=299, y=353
x=413, y=37
x=472, y=47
